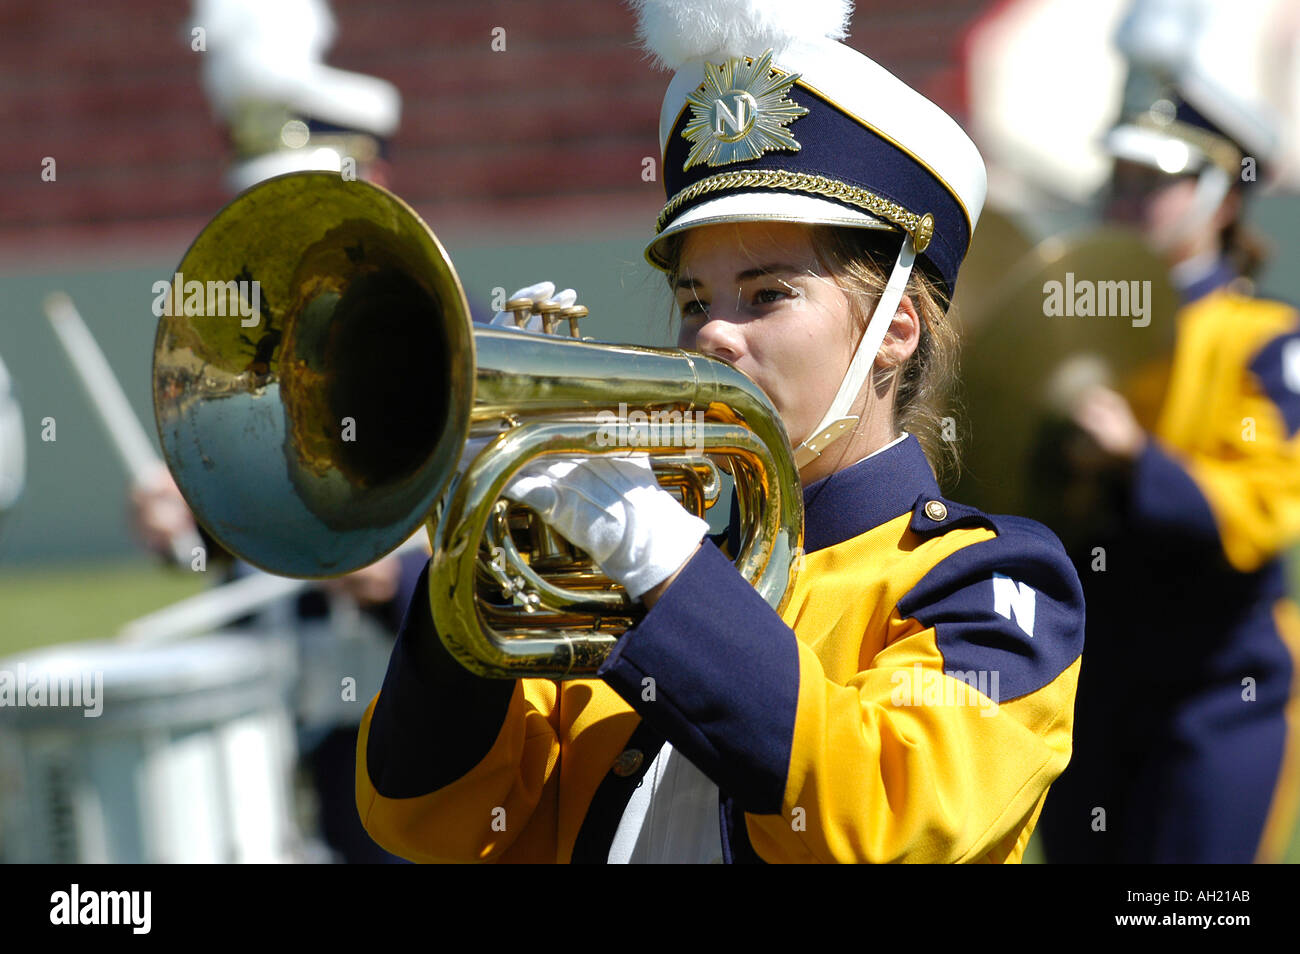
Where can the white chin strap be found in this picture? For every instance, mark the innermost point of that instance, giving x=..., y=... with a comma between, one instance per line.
x=837, y=420
x=1212, y=187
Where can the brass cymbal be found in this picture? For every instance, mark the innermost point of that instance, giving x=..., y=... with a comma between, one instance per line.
x=1082, y=308
x=997, y=245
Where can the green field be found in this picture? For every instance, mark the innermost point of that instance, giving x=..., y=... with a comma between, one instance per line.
x=39, y=607
x=78, y=602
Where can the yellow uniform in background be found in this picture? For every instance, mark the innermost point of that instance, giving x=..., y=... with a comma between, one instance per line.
x=1188, y=714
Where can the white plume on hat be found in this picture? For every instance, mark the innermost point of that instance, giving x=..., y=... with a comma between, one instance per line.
x=1161, y=34
x=274, y=52
x=676, y=32
x=1200, y=48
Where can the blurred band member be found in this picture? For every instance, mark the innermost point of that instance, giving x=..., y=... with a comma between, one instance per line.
x=1186, y=729
x=285, y=111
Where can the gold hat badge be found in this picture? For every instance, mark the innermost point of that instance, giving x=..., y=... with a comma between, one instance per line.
x=740, y=112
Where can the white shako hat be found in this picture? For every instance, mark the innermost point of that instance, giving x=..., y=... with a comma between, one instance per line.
x=1179, y=116
x=265, y=76
x=770, y=118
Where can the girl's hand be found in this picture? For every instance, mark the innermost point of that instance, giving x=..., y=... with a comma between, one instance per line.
x=542, y=291
x=1106, y=417
x=158, y=512
x=371, y=585
x=615, y=510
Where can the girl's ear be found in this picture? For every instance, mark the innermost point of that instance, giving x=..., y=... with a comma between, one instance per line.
x=903, y=336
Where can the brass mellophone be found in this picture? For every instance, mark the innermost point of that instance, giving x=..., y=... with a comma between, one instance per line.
x=321, y=390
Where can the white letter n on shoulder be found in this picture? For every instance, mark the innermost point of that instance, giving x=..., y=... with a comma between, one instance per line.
x=1011, y=597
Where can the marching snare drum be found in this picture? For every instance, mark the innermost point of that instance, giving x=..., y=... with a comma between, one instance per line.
x=190, y=758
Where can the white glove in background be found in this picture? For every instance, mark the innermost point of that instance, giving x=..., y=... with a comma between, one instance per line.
x=539, y=292
x=615, y=510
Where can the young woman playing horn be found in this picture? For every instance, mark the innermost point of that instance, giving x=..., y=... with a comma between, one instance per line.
x=913, y=701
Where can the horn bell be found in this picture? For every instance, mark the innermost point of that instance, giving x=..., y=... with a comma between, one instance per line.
x=313, y=374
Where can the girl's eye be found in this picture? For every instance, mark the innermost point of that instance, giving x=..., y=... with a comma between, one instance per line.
x=694, y=307
x=765, y=296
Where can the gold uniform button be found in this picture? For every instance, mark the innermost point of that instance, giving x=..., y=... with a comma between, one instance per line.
x=627, y=763
x=935, y=510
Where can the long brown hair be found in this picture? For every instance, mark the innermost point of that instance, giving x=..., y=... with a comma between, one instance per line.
x=861, y=262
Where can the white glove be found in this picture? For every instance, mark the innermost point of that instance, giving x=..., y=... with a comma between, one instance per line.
x=615, y=510
x=539, y=292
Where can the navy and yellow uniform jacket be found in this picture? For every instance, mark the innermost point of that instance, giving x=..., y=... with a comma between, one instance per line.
x=1223, y=467
x=913, y=702
x=1189, y=725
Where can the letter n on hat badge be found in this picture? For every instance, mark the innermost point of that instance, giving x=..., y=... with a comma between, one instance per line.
x=740, y=112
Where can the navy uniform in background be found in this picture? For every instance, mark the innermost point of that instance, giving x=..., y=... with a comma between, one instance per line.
x=1187, y=739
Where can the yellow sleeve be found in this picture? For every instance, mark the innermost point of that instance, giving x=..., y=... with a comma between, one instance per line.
x=942, y=750
x=451, y=767
x=1240, y=489
x=869, y=770
x=910, y=764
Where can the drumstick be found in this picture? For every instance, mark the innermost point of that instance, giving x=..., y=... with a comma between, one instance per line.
x=125, y=432
x=223, y=604
x=211, y=609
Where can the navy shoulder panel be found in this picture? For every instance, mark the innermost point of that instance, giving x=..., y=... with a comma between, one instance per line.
x=1006, y=611
x=434, y=720
x=932, y=514
x=1278, y=368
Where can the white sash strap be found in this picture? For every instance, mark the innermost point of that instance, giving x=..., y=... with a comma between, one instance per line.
x=1212, y=187
x=837, y=421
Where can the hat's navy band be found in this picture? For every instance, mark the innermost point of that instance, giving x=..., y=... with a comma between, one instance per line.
x=841, y=159
x=320, y=128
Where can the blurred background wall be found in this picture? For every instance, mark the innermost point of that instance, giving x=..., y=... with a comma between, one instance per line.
x=527, y=162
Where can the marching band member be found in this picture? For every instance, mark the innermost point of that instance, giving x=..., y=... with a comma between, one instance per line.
x=284, y=110
x=283, y=107
x=914, y=700
x=1187, y=748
